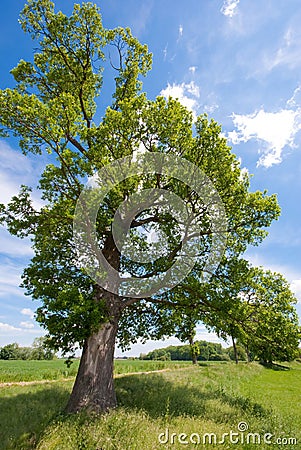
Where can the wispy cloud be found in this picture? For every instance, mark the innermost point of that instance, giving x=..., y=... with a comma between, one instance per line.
x=165, y=52
x=275, y=130
x=27, y=325
x=286, y=53
x=229, y=8
x=187, y=93
x=20, y=332
x=10, y=274
x=291, y=275
x=296, y=288
x=12, y=160
x=10, y=279
x=17, y=169
x=141, y=17
x=192, y=69
x=7, y=328
x=27, y=312
x=14, y=246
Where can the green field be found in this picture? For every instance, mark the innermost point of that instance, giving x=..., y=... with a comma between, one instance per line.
x=12, y=371
x=210, y=398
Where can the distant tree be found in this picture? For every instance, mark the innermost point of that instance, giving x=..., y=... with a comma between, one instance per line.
x=25, y=353
x=239, y=354
x=41, y=349
x=10, y=351
x=206, y=351
x=186, y=332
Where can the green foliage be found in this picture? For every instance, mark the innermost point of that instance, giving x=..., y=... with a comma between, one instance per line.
x=39, y=350
x=10, y=351
x=206, y=351
x=253, y=306
x=241, y=353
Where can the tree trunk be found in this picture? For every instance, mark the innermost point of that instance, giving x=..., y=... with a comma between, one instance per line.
x=194, y=355
x=93, y=389
x=94, y=385
x=248, y=354
x=235, y=350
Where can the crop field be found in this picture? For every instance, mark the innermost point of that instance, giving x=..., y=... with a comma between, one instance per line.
x=215, y=405
x=18, y=370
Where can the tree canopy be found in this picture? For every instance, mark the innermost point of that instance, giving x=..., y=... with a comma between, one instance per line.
x=56, y=109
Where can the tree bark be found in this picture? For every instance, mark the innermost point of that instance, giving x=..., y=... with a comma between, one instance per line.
x=248, y=354
x=93, y=389
x=194, y=355
x=235, y=350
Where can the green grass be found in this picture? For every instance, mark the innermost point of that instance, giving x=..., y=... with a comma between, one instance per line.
x=35, y=370
x=129, y=366
x=14, y=371
x=211, y=398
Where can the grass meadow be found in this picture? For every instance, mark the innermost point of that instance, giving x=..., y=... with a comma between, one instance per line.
x=214, y=405
x=14, y=371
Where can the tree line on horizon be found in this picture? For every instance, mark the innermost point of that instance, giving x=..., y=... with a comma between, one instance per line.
x=38, y=351
x=205, y=351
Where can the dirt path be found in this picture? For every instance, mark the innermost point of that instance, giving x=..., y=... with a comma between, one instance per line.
x=118, y=375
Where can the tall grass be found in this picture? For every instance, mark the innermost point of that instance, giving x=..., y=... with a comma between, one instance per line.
x=14, y=371
x=211, y=398
x=19, y=370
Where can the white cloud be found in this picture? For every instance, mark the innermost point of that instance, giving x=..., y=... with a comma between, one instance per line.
x=5, y=327
x=187, y=94
x=181, y=31
x=192, y=69
x=10, y=279
x=229, y=8
x=165, y=52
x=275, y=130
x=13, y=167
x=24, y=336
x=14, y=246
x=10, y=275
x=27, y=312
x=295, y=99
x=8, y=290
x=140, y=19
x=291, y=275
x=13, y=160
x=296, y=288
x=286, y=54
x=27, y=325
x=17, y=169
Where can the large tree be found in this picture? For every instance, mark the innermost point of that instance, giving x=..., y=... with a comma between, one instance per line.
x=56, y=108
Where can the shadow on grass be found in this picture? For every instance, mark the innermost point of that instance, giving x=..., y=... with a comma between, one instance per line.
x=25, y=415
x=161, y=398
x=274, y=366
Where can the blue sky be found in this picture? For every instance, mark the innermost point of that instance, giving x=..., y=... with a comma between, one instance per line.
x=237, y=60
